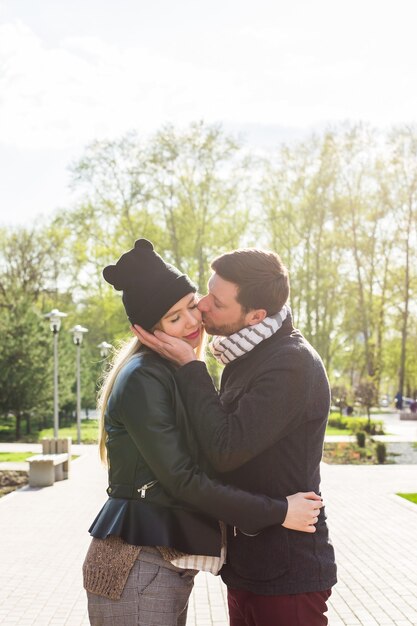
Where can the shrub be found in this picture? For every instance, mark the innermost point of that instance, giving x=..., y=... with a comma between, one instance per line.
x=338, y=421
x=355, y=424
x=381, y=452
x=361, y=423
x=361, y=438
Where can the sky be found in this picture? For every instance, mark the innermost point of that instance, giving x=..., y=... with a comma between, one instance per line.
x=72, y=71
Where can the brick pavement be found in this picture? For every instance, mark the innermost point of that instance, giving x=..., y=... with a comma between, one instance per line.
x=43, y=541
x=374, y=533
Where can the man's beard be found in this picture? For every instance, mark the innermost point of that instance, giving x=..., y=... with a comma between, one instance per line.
x=226, y=329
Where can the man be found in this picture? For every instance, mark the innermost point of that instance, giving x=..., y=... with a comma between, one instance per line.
x=264, y=433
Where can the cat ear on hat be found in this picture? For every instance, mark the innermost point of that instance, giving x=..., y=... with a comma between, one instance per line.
x=142, y=244
x=122, y=274
x=110, y=274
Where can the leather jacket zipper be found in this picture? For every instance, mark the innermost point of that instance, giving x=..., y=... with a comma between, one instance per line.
x=143, y=489
x=246, y=534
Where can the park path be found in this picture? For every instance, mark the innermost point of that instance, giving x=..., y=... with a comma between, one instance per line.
x=43, y=540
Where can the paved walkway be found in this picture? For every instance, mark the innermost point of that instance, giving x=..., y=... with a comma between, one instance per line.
x=43, y=540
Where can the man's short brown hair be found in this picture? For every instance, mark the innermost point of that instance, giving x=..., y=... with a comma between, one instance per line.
x=261, y=277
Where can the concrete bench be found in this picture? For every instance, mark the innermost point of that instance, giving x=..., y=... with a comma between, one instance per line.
x=45, y=469
x=53, y=464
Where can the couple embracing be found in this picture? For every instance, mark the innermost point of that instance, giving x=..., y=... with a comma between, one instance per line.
x=199, y=480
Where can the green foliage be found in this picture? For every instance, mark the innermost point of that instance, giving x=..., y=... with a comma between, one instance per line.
x=13, y=457
x=30, y=263
x=199, y=178
x=332, y=205
x=340, y=208
x=372, y=427
x=356, y=424
x=25, y=379
x=366, y=394
x=361, y=438
x=337, y=421
x=330, y=430
x=89, y=432
x=183, y=190
x=411, y=497
x=381, y=452
x=298, y=207
x=340, y=397
x=348, y=454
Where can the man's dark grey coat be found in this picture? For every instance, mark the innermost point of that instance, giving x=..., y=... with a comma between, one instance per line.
x=265, y=433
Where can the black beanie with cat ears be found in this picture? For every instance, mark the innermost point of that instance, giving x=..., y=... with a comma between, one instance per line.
x=150, y=286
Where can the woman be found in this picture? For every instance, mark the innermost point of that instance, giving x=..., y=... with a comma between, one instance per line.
x=162, y=509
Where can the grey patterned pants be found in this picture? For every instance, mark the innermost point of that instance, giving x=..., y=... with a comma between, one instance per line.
x=156, y=594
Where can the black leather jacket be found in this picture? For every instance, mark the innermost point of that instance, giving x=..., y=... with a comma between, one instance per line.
x=157, y=493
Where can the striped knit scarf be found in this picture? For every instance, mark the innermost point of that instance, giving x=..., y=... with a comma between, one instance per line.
x=227, y=349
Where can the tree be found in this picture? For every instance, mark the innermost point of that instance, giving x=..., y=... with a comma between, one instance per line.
x=400, y=193
x=339, y=207
x=340, y=394
x=183, y=190
x=29, y=276
x=199, y=177
x=27, y=264
x=367, y=395
x=25, y=375
x=298, y=200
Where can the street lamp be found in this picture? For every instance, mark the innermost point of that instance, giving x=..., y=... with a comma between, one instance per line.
x=55, y=324
x=104, y=349
x=77, y=335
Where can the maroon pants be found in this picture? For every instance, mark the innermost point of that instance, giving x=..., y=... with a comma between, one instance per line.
x=300, y=609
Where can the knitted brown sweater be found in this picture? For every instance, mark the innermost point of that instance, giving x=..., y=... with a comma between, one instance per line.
x=108, y=563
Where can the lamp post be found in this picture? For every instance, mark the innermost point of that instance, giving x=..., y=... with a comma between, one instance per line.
x=104, y=348
x=77, y=335
x=55, y=324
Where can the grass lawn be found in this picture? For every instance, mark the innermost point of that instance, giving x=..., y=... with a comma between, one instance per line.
x=344, y=425
x=89, y=432
x=332, y=430
x=18, y=457
x=412, y=497
x=14, y=457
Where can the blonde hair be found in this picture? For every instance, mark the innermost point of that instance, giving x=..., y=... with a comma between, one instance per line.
x=126, y=352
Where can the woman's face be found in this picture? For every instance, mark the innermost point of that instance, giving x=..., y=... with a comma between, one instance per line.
x=183, y=320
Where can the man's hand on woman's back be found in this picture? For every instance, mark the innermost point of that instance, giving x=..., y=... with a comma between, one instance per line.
x=303, y=511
